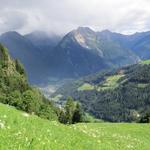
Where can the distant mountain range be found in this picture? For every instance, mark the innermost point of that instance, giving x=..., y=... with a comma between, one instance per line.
x=79, y=53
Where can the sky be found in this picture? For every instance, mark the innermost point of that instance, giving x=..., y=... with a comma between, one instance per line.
x=62, y=16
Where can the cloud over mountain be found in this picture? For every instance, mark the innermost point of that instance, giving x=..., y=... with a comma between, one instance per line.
x=123, y=16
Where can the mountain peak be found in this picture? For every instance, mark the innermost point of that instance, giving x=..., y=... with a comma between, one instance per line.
x=11, y=33
x=106, y=32
x=87, y=29
x=40, y=33
x=84, y=36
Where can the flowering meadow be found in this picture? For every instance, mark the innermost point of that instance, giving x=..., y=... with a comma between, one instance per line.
x=21, y=131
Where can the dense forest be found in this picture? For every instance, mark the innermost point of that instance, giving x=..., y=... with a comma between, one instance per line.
x=116, y=96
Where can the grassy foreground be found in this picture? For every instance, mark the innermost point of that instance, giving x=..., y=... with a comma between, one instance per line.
x=19, y=130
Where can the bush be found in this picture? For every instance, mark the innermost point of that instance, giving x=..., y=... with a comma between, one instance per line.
x=71, y=113
x=145, y=118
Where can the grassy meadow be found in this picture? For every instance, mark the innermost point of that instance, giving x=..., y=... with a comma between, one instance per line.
x=110, y=82
x=21, y=131
x=86, y=87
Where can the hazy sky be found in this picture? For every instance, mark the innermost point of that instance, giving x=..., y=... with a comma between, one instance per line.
x=125, y=16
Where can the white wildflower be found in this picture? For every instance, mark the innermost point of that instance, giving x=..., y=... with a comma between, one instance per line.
x=25, y=115
x=4, y=116
x=93, y=135
x=99, y=141
x=26, y=139
x=2, y=125
x=19, y=133
x=129, y=146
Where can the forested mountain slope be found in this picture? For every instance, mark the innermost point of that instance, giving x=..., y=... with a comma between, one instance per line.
x=121, y=95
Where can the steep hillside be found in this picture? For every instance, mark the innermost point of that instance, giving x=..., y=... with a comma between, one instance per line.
x=15, y=90
x=19, y=130
x=121, y=95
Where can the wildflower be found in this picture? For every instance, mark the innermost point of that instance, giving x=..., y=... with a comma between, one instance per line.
x=99, y=141
x=26, y=139
x=25, y=115
x=2, y=125
x=129, y=146
x=4, y=116
x=93, y=135
x=17, y=134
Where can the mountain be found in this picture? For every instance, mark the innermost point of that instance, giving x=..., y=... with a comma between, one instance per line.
x=43, y=40
x=114, y=51
x=142, y=46
x=137, y=43
x=79, y=53
x=121, y=95
x=30, y=56
x=83, y=51
x=46, y=43
x=70, y=58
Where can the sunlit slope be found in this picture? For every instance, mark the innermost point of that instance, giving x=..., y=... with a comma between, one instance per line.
x=19, y=130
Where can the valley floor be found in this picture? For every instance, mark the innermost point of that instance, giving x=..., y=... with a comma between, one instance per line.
x=20, y=131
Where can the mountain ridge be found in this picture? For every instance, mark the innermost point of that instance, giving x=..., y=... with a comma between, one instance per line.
x=81, y=52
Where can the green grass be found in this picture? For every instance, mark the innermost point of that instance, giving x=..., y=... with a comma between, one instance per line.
x=145, y=62
x=111, y=82
x=142, y=85
x=20, y=131
x=86, y=87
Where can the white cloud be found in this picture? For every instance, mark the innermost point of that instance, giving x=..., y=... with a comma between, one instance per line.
x=123, y=16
